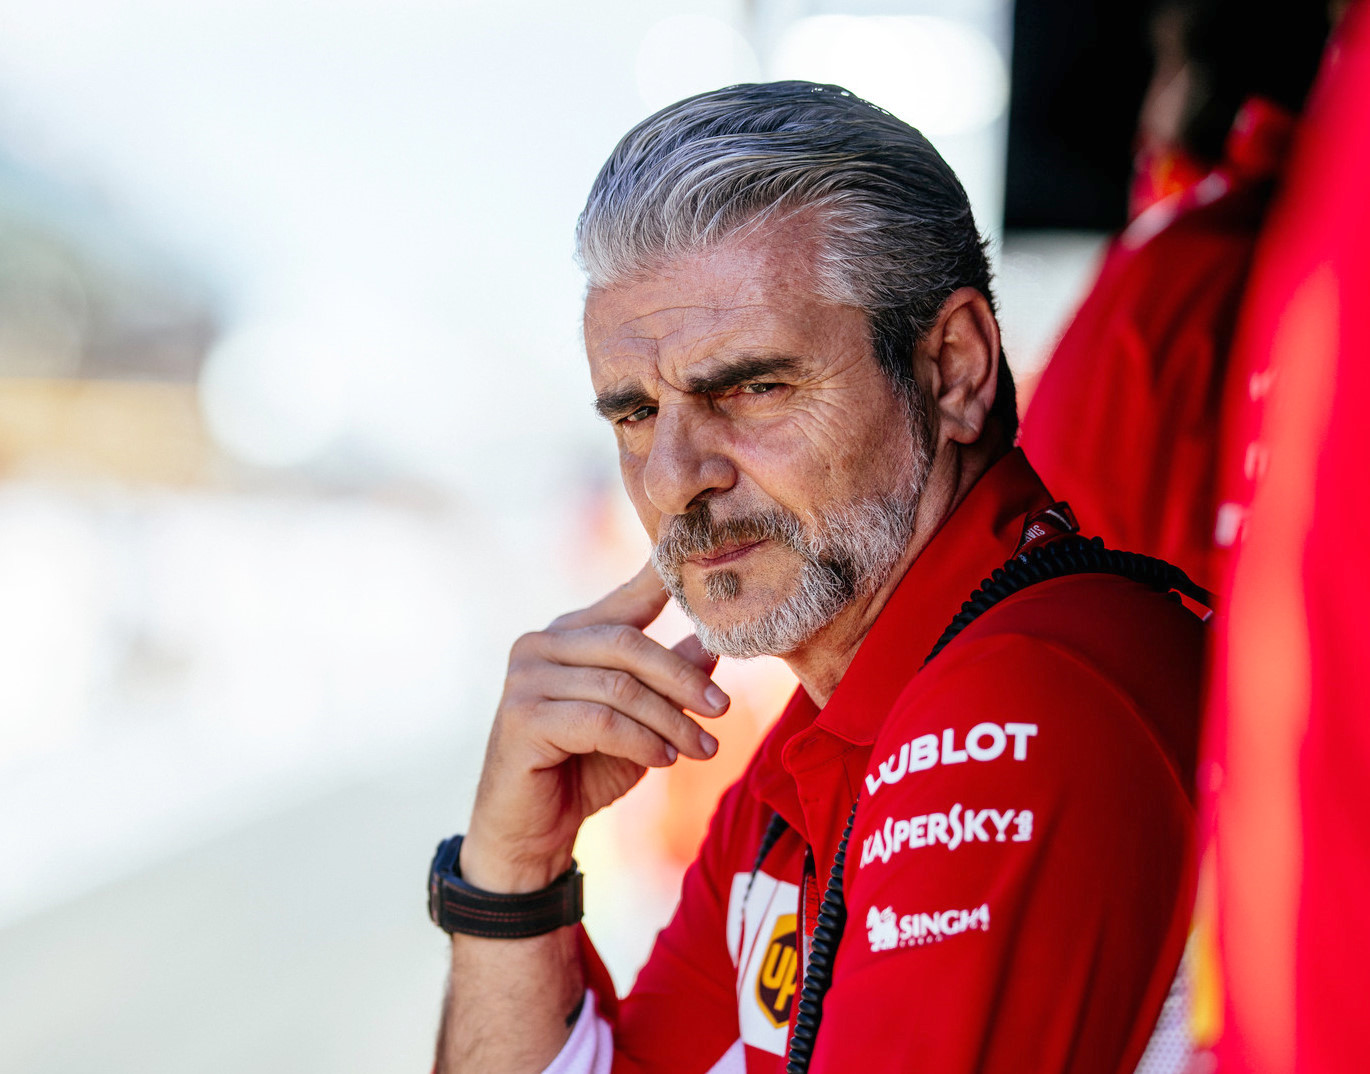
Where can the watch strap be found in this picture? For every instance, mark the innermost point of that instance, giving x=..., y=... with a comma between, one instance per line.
x=458, y=907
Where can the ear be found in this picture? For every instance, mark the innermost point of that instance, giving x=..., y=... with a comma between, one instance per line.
x=959, y=361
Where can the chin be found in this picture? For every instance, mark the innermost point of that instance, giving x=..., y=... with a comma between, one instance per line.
x=753, y=628
x=727, y=600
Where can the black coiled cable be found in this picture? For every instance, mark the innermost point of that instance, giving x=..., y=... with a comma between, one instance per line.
x=775, y=828
x=832, y=920
x=1062, y=557
x=1055, y=559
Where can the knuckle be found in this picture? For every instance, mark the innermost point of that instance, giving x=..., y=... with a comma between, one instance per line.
x=524, y=647
x=622, y=687
x=600, y=718
x=684, y=673
x=624, y=637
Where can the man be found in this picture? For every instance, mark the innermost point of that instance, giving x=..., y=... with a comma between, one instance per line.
x=1125, y=421
x=790, y=328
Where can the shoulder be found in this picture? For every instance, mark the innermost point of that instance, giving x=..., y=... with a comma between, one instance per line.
x=1106, y=670
x=1119, y=627
x=1196, y=264
x=1029, y=744
x=1207, y=226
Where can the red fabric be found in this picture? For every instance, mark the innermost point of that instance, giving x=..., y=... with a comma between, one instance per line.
x=1058, y=947
x=1291, y=749
x=1124, y=422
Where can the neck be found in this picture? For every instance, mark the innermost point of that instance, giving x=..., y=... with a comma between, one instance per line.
x=821, y=662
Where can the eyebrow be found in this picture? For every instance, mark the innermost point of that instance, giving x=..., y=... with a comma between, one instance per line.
x=743, y=369
x=732, y=373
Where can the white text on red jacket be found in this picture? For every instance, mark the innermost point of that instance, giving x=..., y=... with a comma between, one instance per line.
x=886, y=930
x=983, y=742
x=950, y=829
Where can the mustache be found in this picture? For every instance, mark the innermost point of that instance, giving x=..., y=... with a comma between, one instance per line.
x=697, y=532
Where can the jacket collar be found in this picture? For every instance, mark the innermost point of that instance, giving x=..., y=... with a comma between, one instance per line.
x=981, y=534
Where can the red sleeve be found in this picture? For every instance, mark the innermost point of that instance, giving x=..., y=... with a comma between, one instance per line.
x=1018, y=897
x=1090, y=427
x=1124, y=422
x=681, y=1015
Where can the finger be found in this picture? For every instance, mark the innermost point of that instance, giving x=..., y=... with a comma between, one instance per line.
x=679, y=680
x=583, y=727
x=625, y=693
x=692, y=649
x=637, y=602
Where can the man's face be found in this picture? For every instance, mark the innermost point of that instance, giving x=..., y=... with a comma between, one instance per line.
x=767, y=455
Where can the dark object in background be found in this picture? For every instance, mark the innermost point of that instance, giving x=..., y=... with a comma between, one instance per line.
x=1239, y=49
x=1080, y=68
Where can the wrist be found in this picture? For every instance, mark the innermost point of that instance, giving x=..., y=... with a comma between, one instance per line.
x=483, y=867
x=456, y=905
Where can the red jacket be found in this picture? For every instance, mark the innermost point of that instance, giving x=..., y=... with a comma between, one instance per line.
x=1018, y=880
x=1290, y=741
x=1125, y=421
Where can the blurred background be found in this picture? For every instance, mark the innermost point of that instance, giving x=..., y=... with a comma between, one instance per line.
x=295, y=438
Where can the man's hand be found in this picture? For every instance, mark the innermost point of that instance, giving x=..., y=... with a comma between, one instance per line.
x=589, y=704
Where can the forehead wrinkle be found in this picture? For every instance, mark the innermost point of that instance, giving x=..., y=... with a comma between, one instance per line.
x=678, y=348
x=663, y=325
x=685, y=324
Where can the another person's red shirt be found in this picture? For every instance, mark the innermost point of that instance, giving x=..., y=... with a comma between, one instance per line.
x=1124, y=423
x=1290, y=738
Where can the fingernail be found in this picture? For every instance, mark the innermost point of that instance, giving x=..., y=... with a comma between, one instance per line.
x=716, y=697
x=708, y=743
x=671, y=753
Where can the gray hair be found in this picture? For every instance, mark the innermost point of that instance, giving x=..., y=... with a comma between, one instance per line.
x=898, y=232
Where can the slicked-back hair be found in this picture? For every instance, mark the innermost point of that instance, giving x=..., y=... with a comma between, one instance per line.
x=897, y=232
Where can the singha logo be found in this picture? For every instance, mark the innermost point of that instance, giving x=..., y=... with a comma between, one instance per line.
x=883, y=927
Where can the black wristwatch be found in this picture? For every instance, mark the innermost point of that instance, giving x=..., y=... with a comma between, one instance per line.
x=456, y=906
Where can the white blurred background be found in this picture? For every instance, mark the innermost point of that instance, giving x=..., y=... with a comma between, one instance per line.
x=295, y=438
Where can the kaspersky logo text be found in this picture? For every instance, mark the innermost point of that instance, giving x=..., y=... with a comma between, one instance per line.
x=983, y=742
x=886, y=931
x=950, y=829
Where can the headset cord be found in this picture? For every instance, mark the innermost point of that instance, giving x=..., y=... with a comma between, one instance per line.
x=775, y=828
x=1056, y=559
x=827, y=932
x=1062, y=557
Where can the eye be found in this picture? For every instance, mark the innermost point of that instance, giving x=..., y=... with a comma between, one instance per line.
x=642, y=413
x=757, y=389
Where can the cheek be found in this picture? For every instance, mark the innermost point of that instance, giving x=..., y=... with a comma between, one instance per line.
x=631, y=468
x=830, y=453
x=801, y=454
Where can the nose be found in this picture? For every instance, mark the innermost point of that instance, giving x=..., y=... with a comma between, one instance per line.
x=684, y=463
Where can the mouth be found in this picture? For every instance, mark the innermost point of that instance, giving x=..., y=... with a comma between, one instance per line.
x=726, y=553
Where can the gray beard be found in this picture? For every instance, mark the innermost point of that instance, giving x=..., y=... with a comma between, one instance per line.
x=847, y=552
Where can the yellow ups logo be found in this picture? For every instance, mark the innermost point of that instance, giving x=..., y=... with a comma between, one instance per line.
x=779, y=976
